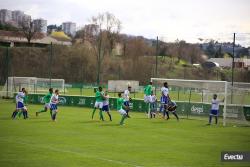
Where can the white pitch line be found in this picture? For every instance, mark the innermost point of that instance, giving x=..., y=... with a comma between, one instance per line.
x=73, y=152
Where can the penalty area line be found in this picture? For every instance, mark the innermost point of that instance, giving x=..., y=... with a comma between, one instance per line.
x=71, y=152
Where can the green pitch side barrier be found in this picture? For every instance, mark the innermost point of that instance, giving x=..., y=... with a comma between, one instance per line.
x=246, y=110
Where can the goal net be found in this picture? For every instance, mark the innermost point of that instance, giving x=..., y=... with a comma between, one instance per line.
x=194, y=97
x=31, y=84
x=121, y=85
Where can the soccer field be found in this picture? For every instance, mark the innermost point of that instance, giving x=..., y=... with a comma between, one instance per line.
x=76, y=140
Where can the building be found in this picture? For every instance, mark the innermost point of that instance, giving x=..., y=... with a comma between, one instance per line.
x=19, y=18
x=69, y=28
x=227, y=62
x=40, y=24
x=24, y=19
x=5, y=16
x=17, y=15
x=15, y=18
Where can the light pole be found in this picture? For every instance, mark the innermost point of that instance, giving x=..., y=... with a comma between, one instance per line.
x=99, y=59
x=232, y=70
x=7, y=71
x=50, y=63
x=233, y=61
x=156, y=56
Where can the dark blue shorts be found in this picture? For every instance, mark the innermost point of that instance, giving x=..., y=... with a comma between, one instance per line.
x=126, y=103
x=214, y=112
x=19, y=105
x=105, y=108
x=53, y=106
x=164, y=100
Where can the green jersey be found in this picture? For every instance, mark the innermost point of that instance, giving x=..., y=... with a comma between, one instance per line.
x=25, y=99
x=120, y=102
x=147, y=90
x=47, y=98
x=99, y=96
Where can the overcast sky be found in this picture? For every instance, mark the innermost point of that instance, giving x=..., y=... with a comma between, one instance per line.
x=168, y=19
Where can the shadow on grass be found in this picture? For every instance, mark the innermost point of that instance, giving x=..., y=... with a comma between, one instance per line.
x=90, y=121
x=41, y=121
x=6, y=118
x=159, y=122
x=110, y=124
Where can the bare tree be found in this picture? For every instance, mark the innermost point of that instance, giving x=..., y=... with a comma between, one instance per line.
x=102, y=33
x=29, y=29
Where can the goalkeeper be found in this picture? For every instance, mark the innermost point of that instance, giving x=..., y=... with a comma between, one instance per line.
x=172, y=108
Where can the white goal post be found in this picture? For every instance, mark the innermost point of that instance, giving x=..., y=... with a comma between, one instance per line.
x=218, y=87
x=31, y=84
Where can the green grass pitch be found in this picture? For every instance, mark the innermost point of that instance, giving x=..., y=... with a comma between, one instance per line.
x=76, y=140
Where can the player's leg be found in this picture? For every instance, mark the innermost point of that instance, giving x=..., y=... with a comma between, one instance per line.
x=20, y=112
x=50, y=111
x=216, y=116
x=110, y=117
x=54, y=111
x=124, y=116
x=210, y=119
x=100, y=105
x=93, y=112
x=175, y=114
x=14, y=114
x=154, y=109
x=161, y=111
x=166, y=114
x=25, y=112
x=126, y=103
x=106, y=109
x=46, y=107
x=212, y=113
x=19, y=106
x=146, y=100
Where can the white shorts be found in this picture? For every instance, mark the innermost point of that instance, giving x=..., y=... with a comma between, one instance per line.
x=98, y=105
x=47, y=105
x=122, y=112
x=147, y=98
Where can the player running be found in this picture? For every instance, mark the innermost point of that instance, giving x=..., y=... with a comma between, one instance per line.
x=127, y=99
x=105, y=107
x=99, y=95
x=120, y=106
x=53, y=104
x=20, y=104
x=46, y=99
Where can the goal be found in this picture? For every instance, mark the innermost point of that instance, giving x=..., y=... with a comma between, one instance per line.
x=31, y=84
x=121, y=85
x=194, y=97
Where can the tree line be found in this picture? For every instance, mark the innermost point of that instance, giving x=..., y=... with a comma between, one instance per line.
x=100, y=53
